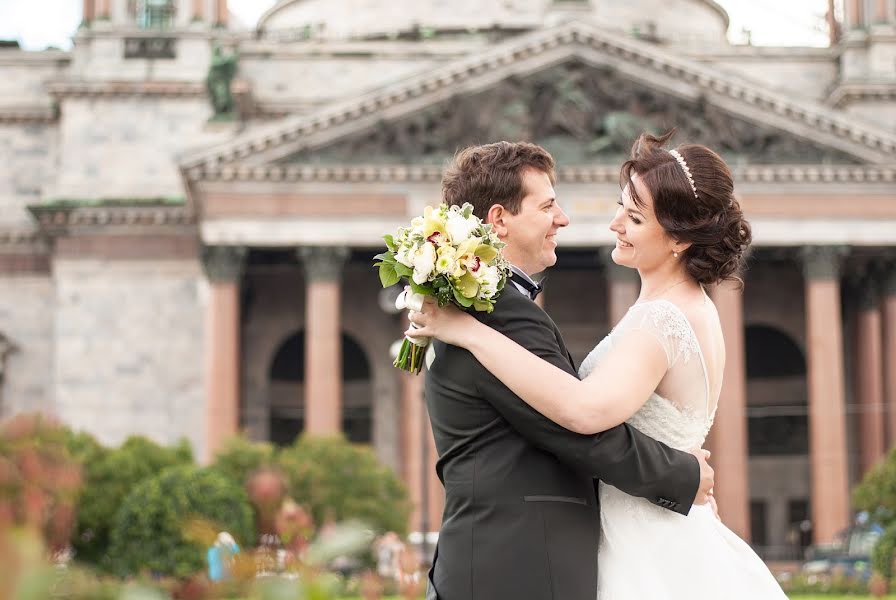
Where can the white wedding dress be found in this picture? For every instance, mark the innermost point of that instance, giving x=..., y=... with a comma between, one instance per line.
x=647, y=552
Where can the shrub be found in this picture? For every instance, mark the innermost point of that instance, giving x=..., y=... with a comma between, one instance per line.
x=337, y=481
x=39, y=481
x=149, y=530
x=239, y=458
x=110, y=476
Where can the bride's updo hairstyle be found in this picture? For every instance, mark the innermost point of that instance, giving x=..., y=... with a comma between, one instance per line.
x=693, y=200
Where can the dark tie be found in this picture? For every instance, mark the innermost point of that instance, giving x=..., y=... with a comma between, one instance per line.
x=532, y=288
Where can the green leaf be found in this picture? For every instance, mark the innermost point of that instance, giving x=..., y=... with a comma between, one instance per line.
x=482, y=306
x=387, y=257
x=460, y=299
x=403, y=270
x=390, y=243
x=426, y=290
x=388, y=276
x=468, y=285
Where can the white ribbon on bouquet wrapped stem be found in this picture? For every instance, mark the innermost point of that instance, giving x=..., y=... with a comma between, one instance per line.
x=408, y=300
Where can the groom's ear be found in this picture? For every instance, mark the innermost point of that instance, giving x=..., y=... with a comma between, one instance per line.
x=497, y=217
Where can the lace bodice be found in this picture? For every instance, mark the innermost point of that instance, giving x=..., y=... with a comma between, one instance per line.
x=682, y=415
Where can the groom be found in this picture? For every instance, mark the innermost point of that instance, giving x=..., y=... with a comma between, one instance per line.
x=521, y=517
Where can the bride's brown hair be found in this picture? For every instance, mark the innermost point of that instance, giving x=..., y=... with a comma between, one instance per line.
x=712, y=221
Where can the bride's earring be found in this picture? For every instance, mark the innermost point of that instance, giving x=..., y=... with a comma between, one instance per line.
x=675, y=254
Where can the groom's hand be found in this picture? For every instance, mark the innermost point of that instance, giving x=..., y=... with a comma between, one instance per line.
x=707, y=476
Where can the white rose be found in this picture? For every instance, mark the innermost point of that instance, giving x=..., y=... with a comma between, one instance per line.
x=459, y=228
x=424, y=263
x=489, y=276
x=404, y=256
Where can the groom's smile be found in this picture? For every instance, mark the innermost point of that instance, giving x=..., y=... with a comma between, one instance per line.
x=531, y=233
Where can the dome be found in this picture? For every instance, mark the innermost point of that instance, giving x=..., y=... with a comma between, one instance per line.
x=674, y=21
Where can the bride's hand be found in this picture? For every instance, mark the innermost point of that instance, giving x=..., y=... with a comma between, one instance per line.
x=447, y=323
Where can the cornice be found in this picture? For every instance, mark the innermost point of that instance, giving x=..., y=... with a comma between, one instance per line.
x=22, y=241
x=61, y=220
x=68, y=89
x=28, y=114
x=573, y=39
x=845, y=93
x=585, y=174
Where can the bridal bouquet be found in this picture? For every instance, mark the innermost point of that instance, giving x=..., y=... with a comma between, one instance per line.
x=448, y=254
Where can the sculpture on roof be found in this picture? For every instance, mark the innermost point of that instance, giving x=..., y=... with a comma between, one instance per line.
x=220, y=75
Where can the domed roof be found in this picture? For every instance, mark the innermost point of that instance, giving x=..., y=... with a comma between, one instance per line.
x=672, y=20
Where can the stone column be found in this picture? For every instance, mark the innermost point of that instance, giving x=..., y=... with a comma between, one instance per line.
x=221, y=13
x=436, y=490
x=623, y=287
x=413, y=420
x=223, y=267
x=728, y=437
x=888, y=310
x=827, y=404
x=87, y=12
x=870, y=379
x=853, y=10
x=323, y=339
x=882, y=14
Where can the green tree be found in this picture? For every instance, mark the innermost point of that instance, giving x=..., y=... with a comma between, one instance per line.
x=338, y=481
x=876, y=494
x=110, y=476
x=239, y=458
x=150, y=531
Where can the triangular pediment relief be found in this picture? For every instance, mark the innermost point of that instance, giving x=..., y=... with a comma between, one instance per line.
x=581, y=113
x=586, y=88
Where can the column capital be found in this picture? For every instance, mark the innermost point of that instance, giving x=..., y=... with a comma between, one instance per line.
x=822, y=262
x=322, y=262
x=223, y=263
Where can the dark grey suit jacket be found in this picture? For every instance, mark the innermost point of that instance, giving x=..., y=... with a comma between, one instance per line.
x=521, y=516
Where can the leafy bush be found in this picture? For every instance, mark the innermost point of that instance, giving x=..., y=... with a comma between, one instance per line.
x=110, y=476
x=39, y=481
x=239, y=458
x=876, y=494
x=338, y=481
x=149, y=530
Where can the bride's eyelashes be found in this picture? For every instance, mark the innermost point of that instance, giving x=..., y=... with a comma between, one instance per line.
x=630, y=216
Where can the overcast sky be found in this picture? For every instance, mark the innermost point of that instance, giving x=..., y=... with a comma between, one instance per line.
x=41, y=23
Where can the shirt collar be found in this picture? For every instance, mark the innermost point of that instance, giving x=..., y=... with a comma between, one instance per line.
x=525, y=276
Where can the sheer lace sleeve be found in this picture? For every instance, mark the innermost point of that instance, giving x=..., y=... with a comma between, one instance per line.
x=685, y=384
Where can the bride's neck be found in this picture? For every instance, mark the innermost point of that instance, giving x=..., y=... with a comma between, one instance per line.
x=654, y=284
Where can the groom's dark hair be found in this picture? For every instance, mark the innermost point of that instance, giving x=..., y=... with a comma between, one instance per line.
x=493, y=174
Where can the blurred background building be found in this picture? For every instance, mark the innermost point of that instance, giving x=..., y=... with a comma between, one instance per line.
x=188, y=212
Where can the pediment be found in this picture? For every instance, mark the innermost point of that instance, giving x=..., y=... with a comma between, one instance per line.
x=583, y=114
x=583, y=92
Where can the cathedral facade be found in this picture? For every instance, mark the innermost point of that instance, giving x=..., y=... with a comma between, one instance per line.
x=189, y=210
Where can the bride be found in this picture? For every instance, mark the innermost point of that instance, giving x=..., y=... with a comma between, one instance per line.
x=660, y=370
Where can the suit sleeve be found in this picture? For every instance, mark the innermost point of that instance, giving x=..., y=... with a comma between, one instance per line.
x=622, y=456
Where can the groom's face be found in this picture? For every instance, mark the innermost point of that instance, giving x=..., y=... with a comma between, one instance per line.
x=530, y=234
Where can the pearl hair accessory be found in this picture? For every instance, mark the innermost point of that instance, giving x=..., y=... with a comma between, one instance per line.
x=684, y=167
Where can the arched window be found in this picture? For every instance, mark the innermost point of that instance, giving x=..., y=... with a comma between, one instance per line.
x=776, y=378
x=286, y=381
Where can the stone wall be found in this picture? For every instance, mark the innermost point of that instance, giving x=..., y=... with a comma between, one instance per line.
x=126, y=147
x=27, y=164
x=130, y=355
x=27, y=314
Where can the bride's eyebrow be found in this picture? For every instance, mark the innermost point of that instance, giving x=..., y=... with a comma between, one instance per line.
x=631, y=210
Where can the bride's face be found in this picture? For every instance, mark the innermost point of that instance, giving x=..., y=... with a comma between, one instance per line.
x=641, y=242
